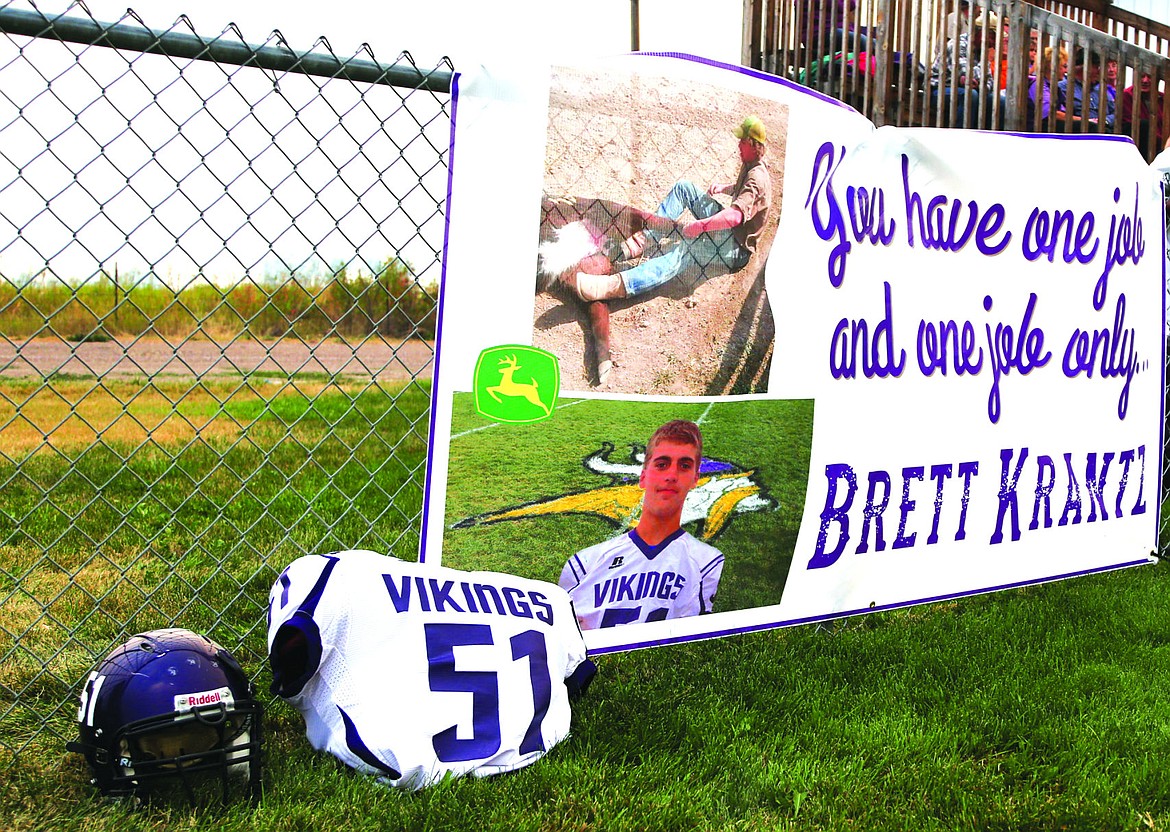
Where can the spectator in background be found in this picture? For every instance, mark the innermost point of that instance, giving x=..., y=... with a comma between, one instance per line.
x=1072, y=95
x=955, y=23
x=827, y=27
x=1149, y=112
x=1003, y=54
x=1040, y=90
x=961, y=65
x=999, y=58
x=1111, y=76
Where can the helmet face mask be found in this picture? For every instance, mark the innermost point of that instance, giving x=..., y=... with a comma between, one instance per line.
x=210, y=745
x=170, y=710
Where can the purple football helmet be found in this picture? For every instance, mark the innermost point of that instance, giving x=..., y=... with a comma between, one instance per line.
x=169, y=706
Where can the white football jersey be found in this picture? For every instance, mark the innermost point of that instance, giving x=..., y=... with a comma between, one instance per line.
x=410, y=672
x=625, y=580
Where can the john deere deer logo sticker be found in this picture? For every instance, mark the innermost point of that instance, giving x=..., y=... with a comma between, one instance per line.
x=516, y=384
x=723, y=490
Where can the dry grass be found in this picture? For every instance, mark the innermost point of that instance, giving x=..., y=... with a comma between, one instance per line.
x=73, y=414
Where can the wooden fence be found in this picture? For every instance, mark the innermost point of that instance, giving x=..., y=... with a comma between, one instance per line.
x=989, y=64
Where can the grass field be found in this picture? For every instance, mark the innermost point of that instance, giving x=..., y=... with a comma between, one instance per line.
x=185, y=510
x=1041, y=708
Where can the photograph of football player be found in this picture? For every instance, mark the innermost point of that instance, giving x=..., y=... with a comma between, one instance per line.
x=656, y=570
x=652, y=530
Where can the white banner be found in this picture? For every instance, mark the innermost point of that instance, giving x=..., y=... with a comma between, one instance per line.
x=925, y=363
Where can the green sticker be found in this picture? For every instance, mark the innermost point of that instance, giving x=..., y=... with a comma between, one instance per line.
x=516, y=384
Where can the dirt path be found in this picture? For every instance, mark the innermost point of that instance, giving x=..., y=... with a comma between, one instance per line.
x=385, y=360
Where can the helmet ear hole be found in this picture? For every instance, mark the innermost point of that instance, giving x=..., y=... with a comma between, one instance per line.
x=170, y=708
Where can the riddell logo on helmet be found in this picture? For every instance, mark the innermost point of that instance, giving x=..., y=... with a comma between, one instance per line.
x=187, y=701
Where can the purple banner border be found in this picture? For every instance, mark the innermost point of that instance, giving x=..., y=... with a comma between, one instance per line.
x=814, y=619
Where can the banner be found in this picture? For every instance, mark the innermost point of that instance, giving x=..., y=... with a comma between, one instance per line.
x=925, y=363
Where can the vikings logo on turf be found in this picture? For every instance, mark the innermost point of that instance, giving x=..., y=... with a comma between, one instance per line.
x=722, y=490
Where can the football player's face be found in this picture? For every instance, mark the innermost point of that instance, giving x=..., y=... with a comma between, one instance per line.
x=748, y=152
x=669, y=473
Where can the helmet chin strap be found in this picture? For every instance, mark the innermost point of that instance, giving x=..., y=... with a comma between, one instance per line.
x=186, y=781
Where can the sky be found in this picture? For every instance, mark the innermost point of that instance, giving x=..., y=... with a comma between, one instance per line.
x=1154, y=9
x=291, y=209
x=470, y=32
x=85, y=192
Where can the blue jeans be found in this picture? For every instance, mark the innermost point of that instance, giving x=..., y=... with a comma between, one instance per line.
x=710, y=253
x=966, y=100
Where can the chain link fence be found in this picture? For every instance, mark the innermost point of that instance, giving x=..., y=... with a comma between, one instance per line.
x=219, y=267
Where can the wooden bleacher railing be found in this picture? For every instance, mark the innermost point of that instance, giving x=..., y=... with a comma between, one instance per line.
x=991, y=64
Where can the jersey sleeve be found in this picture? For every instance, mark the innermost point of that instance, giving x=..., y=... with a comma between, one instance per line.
x=572, y=573
x=709, y=583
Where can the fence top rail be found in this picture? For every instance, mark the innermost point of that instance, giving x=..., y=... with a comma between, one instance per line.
x=181, y=45
x=1093, y=40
